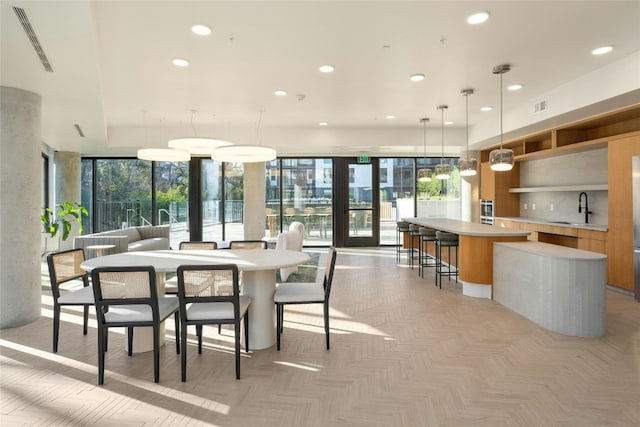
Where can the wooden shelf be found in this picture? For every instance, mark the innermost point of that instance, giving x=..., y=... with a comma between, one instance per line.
x=589, y=134
x=585, y=187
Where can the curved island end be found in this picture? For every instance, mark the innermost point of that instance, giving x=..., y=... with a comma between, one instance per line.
x=475, y=262
x=561, y=289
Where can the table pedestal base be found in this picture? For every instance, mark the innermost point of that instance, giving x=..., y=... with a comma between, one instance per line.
x=260, y=286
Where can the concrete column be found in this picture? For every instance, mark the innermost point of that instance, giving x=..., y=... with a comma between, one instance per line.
x=20, y=170
x=67, y=186
x=254, y=201
x=470, y=192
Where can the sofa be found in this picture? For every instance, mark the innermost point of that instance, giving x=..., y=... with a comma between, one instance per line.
x=143, y=238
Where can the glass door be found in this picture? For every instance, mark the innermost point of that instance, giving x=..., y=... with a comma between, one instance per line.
x=357, y=201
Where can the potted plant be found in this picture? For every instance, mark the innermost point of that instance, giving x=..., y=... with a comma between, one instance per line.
x=61, y=218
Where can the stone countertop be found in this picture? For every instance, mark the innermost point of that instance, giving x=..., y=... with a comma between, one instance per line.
x=594, y=227
x=555, y=251
x=466, y=228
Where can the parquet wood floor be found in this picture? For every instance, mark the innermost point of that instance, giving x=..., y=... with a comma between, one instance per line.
x=403, y=353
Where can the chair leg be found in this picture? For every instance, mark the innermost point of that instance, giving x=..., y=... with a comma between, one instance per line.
x=219, y=329
x=86, y=319
x=326, y=322
x=101, y=351
x=237, y=341
x=183, y=358
x=278, y=325
x=199, y=334
x=130, y=340
x=56, y=326
x=246, y=332
x=156, y=353
x=176, y=319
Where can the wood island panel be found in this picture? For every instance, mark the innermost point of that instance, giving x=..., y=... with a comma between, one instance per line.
x=476, y=257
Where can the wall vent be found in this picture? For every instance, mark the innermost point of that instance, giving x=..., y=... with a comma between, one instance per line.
x=31, y=34
x=540, y=106
x=79, y=129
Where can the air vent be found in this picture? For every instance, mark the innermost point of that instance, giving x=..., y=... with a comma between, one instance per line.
x=31, y=34
x=79, y=129
x=540, y=106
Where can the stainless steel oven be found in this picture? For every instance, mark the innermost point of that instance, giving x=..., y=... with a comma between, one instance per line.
x=486, y=211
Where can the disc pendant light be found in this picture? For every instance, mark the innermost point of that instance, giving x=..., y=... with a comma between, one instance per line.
x=424, y=174
x=501, y=159
x=469, y=165
x=443, y=171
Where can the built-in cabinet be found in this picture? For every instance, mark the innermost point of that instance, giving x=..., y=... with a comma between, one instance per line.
x=495, y=186
x=619, y=132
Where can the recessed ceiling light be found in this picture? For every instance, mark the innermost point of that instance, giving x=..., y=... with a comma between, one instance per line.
x=280, y=92
x=602, y=50
x=179, y=62
x=201, y=30
x=390, y=117
x=487, y=108
x=449, y=122
x=327, y=68
x=416, y=77
x=478, y=18
x=516, y=86
x=323, y=123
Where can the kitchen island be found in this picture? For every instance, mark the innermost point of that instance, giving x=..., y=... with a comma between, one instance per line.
x=475, y=262
x=561, y=289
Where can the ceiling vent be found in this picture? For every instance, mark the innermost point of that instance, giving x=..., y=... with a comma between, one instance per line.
x=540, y=106
x=31, y=34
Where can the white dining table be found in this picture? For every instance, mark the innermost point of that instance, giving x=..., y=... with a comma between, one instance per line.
x=258, y=267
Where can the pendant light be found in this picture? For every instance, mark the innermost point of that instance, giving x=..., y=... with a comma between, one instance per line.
x=197, y=145
x=468, y=166
x=501, y=159
x=160, y=154
x=443, y=171
x=245, y=153
x=424, y=174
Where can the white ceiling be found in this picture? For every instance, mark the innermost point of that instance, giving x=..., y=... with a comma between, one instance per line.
x=112, y=72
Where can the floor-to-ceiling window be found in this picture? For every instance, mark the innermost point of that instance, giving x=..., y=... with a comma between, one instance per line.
x=171, y=191
x=300, y=189
x=222, y=201
x=439, y=198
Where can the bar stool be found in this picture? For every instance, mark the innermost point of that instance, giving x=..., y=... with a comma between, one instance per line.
x=425, y=236
x=446, y=240
x=414, y=231
x=401, y=228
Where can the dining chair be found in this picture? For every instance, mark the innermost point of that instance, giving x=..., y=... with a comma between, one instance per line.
x=248, y=244
x=197, y=245
x=64, y=267
x=306, y=293
x=127, y=297
x=205, y=300
x=171, y=284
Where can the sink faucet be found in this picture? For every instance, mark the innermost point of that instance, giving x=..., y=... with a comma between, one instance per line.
x=586, y=206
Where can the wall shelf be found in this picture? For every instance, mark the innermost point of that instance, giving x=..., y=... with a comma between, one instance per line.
x=585, y=187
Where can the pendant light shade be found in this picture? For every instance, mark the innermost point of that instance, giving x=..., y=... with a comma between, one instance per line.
x=501, y=159
x=469, y=165
x=443, y=171
x=197, y=145
x=424, y=174
x=245, y=153
x=164, y=155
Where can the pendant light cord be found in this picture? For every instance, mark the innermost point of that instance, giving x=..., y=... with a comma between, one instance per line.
x=466, y=96
x=442, y=107
x=501, y=73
